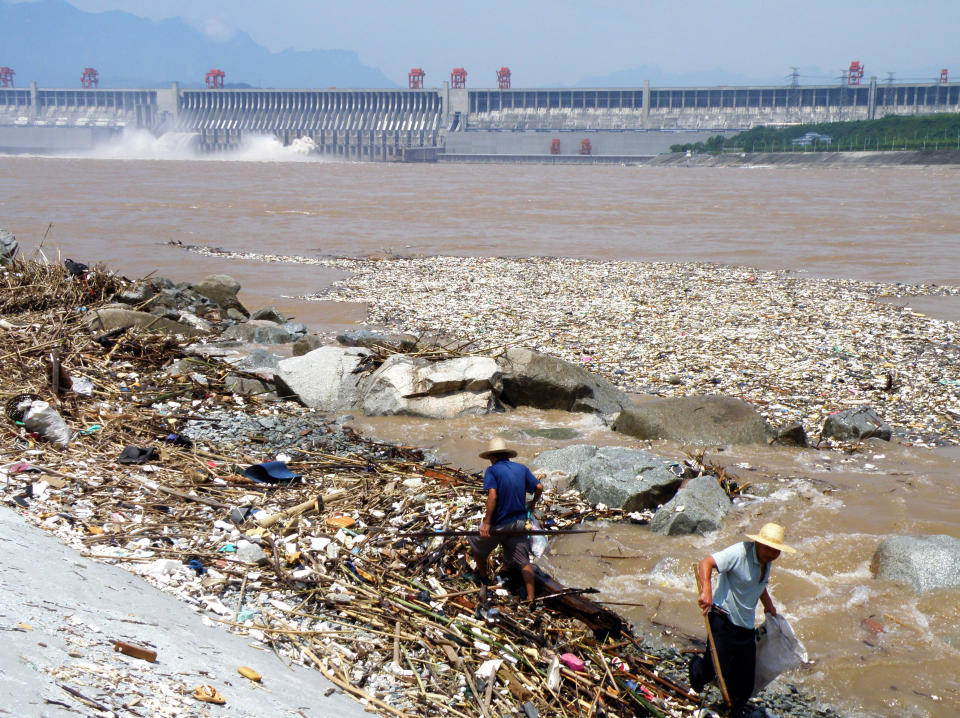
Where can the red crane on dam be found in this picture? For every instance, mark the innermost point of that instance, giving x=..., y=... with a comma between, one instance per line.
x=415, y=78
x=89, y=78
x=458, y=78
x=503, y=78
x=855, y=73
x=943, y=76
x=6, y=77
x=215, y=79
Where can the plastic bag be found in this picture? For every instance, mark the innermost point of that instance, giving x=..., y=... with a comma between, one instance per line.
x=778, y=650
x=538, y=543
x=44, y=419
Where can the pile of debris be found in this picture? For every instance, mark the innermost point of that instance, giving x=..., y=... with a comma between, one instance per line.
x=333, y=549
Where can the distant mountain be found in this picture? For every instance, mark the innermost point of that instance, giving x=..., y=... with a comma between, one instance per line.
x=51, y=42
x=809, y=75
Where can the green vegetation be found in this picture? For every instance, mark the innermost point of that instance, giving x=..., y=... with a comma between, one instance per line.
x=926, y=132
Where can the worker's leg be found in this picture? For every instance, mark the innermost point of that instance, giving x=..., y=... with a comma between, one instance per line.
x=737, y=650
x=528, y=581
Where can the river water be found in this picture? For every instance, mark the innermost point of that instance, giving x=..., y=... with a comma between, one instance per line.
x=894, y=224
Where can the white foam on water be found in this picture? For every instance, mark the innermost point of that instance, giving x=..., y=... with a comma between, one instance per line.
x=143, y=145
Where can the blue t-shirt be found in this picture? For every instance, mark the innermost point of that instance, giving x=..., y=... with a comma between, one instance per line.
x=513, y=482
x=739, y=585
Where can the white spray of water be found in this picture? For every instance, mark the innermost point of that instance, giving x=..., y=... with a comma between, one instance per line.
x=142, y=145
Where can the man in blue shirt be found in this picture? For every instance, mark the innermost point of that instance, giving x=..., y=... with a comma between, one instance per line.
x=744, y=571
x=506, y=484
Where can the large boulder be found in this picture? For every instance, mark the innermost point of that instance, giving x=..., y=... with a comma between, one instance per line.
x=619, y=477
x=695, y=420
x=444, y=390
x=460, y=374
x=259, y=331
x=324, y=379
x=630, y=479
x=924, y=563
x=542, y=381
x=371, y=339
x=856, y=425
x=109, y=318
x=221, y=289
x=697, y=508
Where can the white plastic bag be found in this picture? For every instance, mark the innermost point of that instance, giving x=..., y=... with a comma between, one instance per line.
x=538, y=542
x=778, y=650
x=44, y=419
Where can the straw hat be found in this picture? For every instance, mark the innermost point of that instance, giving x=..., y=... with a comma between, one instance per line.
x=497, y=446
x=772, y=535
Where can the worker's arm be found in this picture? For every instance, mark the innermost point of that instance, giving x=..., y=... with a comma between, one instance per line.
x=488, y=517
x=705, y=569
x=536, y=497
x=767, y=603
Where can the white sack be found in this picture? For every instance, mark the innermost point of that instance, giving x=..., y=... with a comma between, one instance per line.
x=778, y=650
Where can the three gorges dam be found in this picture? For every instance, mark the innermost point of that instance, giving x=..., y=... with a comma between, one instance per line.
x=452, y=122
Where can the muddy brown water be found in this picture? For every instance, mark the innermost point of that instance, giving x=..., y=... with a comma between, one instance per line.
x=886, y=224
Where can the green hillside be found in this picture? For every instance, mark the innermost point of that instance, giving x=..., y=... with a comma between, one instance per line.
x=926, y=132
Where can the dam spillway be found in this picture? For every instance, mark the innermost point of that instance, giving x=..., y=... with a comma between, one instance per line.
x=404, y=123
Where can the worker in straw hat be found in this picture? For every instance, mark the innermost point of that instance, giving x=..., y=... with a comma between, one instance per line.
x=744, y=570
x=506, y=484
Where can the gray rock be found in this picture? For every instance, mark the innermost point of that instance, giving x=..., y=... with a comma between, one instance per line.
x=569, y=459
x=393, y=389
x=699, y=507
x=295, y=328
x=258, y=331
x=925, y=563
x=235, y=314
x=109, y=318
x=259, y=361
x=546, y=382
x=8, y=247
x=221, y=289
x=194, y=321
x=135, y=294
x=251, y=553
x=461, y=374
x=246, y=386
x=270, y=314
x=792, y=434
x=856, y=424
x=306, y=344
x=322, y=379
x=371, y=339
x=630, y=479
x=184, y=367
x=619, y=477
x=695, y=420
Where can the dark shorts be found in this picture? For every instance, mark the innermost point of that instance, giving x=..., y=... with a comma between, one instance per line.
x=516, y=548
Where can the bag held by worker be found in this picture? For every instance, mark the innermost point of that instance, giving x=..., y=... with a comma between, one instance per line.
x=778, y=650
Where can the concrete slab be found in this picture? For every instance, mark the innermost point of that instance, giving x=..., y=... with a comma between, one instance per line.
x=74, y=609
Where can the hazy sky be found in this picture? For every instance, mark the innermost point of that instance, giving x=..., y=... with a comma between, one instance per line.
x=559, y=41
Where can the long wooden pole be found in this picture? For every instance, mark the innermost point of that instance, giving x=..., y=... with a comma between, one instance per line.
x=518, y=532
x=713, y=646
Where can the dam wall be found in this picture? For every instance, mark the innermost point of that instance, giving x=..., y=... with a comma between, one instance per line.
x=386, y=125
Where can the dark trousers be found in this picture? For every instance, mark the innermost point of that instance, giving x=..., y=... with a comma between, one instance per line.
x=737, y=650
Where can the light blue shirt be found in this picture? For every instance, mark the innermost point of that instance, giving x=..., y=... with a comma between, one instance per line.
x=739, y=586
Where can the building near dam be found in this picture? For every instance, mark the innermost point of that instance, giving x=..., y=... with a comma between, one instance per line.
x=450, y=122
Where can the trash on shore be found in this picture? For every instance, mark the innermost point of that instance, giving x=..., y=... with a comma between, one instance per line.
x=316, y=568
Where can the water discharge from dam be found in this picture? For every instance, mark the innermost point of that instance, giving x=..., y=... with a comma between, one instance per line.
x=143, y=145
x=886, y=224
